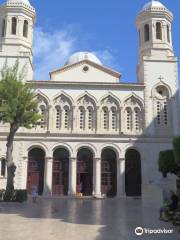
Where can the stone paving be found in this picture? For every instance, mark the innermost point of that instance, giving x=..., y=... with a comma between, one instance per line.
x=81, y=219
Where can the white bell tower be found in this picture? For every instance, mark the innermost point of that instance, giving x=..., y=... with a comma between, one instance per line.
x=17, y=19
x=158, y=69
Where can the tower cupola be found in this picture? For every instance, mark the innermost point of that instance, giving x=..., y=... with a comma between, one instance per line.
x=154, y=26
x=17, y=18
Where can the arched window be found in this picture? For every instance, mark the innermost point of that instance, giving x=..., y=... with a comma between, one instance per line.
x=137, y=124
x=165, y=113
x=90, y=118
x=161, y=98
x=25, y=29
x=146, y=32
x=43, y=116
x=3, y=27
x=66, y=117
x=58, y=117
x=81, y=118
x=105, y=118
x=14, y=26
x=128, y=120
x=158, y=109
x=114, y=118
x=2, y=167
x=158, y=31
x=139, y=38
x=168, y=34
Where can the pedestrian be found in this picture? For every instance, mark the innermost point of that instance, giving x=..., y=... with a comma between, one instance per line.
x=34, y=193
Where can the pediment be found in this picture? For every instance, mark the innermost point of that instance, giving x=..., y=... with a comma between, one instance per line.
x=85, y=71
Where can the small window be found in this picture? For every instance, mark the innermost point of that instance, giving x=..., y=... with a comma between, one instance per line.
x=25, y=29
x=3, y=27
x=58, y=117
x=146, y=33
x=158, y=31
x=14, y=26
x=168, y=34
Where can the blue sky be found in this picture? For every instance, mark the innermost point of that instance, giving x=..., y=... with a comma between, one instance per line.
x=101, y=26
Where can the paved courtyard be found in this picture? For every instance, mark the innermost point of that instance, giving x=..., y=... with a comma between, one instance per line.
x=81, y=219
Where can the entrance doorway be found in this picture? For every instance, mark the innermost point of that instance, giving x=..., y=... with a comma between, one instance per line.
x=108, y=173
x=60, y=172
x=35, y=175
x=133, y=173
x=85, y=172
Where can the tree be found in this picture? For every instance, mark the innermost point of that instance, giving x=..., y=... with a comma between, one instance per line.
x=166, y=163
x=18, y=108
x=176, y=145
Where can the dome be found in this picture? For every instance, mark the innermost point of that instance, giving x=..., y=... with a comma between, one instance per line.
x=19, y=1
x=153, y=4
x=80, y=56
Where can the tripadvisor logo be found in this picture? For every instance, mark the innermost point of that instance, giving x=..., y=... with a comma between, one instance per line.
x=140, y=231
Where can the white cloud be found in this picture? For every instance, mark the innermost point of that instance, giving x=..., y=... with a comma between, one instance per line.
x=52, y=49
x=108, y=58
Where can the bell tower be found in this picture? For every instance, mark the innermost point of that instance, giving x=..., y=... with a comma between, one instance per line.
x=17, y=19
x=158, y=69
x=154, y=27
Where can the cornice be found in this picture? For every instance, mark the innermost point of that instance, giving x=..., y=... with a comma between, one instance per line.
x=118, y=138
x=38, y=84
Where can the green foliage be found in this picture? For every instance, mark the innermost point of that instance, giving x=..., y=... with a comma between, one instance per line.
x=166, y=162
x=18, y=105
x=19, y=195
x=176, y=145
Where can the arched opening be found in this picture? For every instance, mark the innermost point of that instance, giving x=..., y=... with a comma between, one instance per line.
x=60, y=172
x=3, y=27
x=25, y=29
x=35, y=176
x=133, y=173
x=168, y=34
x=146, y=32
x=14, y=26
x=108, y=172
x=85, y=171
x=158, y=31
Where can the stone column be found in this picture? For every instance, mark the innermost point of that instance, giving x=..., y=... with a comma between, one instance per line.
x=72, y=176
x=50, y=118
x=48, y=176
x=25, y=170
x=121, y=177
x=97, y=177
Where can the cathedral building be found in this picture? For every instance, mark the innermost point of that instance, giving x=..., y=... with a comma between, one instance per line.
x=97, y=135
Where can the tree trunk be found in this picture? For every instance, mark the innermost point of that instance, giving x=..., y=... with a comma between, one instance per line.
x=11, y=168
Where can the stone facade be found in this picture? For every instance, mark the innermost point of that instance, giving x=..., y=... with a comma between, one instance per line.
x=85, y=105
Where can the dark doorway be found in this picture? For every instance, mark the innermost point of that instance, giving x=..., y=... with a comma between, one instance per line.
x=60, y=172
x=108, y=173
x=85, y=172
x=133, y=173
x=35, y=176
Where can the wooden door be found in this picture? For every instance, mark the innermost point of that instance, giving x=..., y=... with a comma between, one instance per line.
x=133, y=173
x=57, y=178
